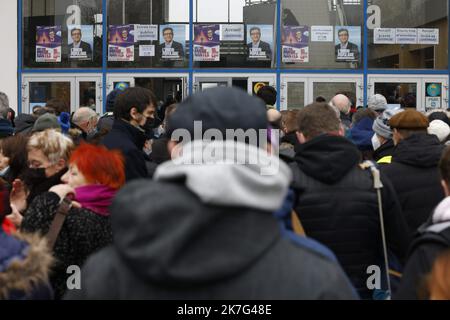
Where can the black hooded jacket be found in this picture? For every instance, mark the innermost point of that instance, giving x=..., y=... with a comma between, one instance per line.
x=415, y=176
x=130, y=141
x=337, y=205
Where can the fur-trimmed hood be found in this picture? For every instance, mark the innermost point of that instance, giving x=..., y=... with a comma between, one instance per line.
x=27, y=269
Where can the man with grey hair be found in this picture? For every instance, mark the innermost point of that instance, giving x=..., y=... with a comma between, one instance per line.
x=343, y=104
x=85, y=119
x=6, y=128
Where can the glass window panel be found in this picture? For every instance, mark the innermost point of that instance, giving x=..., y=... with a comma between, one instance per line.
x=396, y=92
x=173, y=14
x=329, y=89
x=429, y=14
x=165, y=89
x=295, y=95
x=41, y=92
x=316, y=50
x=236, y=51
x=43, y=50
x=88, y=94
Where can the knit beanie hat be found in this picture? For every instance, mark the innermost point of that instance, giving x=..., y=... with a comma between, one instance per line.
x=381, y=124
x=440, y=129
x=377, y=103
x=46, y=121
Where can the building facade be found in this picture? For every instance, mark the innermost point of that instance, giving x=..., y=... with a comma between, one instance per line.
x=80, y=50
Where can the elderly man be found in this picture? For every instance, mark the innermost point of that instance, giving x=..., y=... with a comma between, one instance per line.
x=343, y=104
x=85, y=119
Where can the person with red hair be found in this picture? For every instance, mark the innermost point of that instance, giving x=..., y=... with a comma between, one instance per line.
x=95, y=175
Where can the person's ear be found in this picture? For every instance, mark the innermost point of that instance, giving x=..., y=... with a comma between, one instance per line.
x=300, y=137
x=134, y=114
x=445, y=187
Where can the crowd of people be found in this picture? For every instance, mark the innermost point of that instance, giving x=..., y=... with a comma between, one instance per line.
x=124, y=197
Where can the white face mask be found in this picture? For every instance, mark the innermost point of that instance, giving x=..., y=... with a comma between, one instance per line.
x=375, y=142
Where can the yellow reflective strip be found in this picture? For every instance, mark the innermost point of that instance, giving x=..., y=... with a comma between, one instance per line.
x=387, y=159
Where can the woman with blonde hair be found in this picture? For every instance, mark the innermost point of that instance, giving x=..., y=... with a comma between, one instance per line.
x=75, y=215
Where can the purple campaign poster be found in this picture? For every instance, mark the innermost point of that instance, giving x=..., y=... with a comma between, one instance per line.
x=207, y=42
x=48, y=44
x=295, y=44
x=121, y=43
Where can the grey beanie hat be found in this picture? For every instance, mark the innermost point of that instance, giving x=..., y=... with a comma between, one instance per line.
x=381, y=124
x=46, y=121
x=377, y=103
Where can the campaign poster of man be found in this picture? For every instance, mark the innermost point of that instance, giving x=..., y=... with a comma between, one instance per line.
x=347, y=43
x=48, y=44
x=172, y=42
x=121, y=43
x=207, y=42
x=260, y=41
x=81, y=42
x=295, y=44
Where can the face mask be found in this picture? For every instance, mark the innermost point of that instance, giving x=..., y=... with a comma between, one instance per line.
x=34, y=176
x=375, y=142
x=149, y=125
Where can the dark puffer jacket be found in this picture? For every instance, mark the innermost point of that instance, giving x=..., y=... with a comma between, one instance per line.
x=337, y=205
x=415, y=176
x=82, y=233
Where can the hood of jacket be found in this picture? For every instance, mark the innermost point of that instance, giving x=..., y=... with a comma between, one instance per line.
x=362, y=134
x=442, y=212
x=24, y=123
x=198, y=223
x=25, y=262
x=327, y=158
x=419, y=150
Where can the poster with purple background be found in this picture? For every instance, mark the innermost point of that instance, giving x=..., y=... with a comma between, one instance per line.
x=295, y=44
x=121, y=43
x=207, y=42
x=48, y=44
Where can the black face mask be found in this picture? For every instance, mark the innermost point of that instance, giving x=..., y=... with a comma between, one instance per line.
x=34, y=175
x=149, y=125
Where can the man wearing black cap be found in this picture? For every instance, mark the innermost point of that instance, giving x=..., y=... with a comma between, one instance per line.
x=414, y=169
x=204, y=228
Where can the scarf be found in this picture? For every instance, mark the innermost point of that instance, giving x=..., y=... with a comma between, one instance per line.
x=96, y=198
